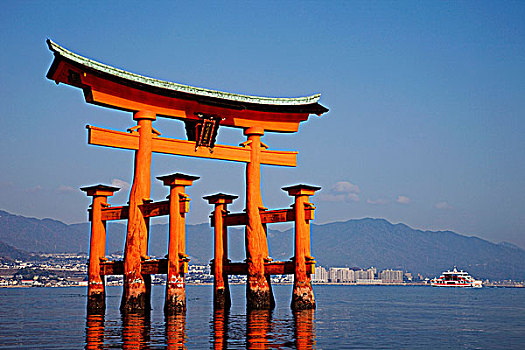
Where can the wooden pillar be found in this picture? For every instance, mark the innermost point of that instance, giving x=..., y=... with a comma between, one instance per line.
x=175, y=301
x=96, y=289
x=134, y=297
x=303, y=295
x=258, y=293
x=221, y=289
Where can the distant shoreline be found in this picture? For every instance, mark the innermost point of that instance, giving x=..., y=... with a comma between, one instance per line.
x=289, y=284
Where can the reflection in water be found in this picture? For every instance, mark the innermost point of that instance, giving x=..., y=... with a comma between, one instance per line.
x=175, y=331
x=220, y=329
x=258, y=329
x=136, y=329
x=304, y=329
x=258, y=324
x=94, y=331
x=261, y=329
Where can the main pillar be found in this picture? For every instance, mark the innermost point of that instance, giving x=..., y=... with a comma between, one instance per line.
x=97, y=250
x=303, y=294
x=258, y=291
x=135, y=293
x=175, y=301
x=221, y=288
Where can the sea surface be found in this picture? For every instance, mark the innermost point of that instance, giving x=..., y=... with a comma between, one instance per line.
x=347, y=317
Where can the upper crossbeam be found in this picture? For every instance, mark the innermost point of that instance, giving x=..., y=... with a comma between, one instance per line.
x=118, y=139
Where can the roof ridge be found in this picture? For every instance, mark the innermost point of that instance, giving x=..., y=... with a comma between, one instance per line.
x=101, y=67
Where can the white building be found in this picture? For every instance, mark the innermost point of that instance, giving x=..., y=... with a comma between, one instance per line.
x=321, y=275
x=341, y=275
x=392, y=276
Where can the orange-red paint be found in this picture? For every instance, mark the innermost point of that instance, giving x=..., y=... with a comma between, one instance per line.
x=258, y=327
x=94, y=331
x=175, y=331
x=258, y=292
x=302, y=295
x=136, y=328
x=304, y=330
x=119, y=90
x=270, y=268
x=220, y=329
x=104, y=92
x=221, y=289
x=97, y=251
x=175, y=301
x=119, y=139
x=134, y=296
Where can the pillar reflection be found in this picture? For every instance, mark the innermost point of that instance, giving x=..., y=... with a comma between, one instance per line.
x=258, y=325
x=304, y=329
x=94, y=331
x=136, y=328
x=220, y=329
x=175, y=330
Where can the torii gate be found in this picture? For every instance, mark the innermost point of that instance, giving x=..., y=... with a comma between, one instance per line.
x=202, y=111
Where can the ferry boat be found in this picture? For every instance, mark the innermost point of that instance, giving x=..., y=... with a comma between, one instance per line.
x=455, y=278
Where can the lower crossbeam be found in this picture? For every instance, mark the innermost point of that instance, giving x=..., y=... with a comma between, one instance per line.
x=149, y=267
x=270, y=268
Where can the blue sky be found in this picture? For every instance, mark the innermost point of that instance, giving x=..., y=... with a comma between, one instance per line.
x=427, y=99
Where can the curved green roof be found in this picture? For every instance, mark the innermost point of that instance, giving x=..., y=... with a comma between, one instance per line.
x=179, y=88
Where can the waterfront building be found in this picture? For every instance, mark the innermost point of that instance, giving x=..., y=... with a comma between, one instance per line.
x=372, y=272
x=362, y=275
x=321, y=275
x=341, y=275
x=392, y=276
x=368, y=281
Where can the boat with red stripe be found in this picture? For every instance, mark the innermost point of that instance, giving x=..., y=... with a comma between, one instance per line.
x=456, y=278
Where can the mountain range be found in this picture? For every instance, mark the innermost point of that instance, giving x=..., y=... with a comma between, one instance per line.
x=353, y=243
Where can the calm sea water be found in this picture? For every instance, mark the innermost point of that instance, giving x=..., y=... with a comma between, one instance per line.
x=347, y=317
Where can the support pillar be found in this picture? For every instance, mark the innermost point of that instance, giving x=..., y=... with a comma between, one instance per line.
x=135, y=293
x=302, y=295
x=175, y=301
x=221, y=288
x=258, y=290
x=97, y=251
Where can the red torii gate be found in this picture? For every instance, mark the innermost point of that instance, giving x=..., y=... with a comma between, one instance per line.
x=202, y=111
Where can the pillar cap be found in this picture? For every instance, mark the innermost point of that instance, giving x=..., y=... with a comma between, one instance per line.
x=144, y=115
x=301, y=189
x=178, y=179
x=99, y=190
x=254, y=130
x=220, y=198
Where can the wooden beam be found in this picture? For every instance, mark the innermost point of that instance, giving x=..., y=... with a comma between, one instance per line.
x=155, y=209
x=160, y=266
x=270, y=268
x=267, y=217
x=114, y=213
x=118, y=139
x=149, y=210
x=149, y=267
